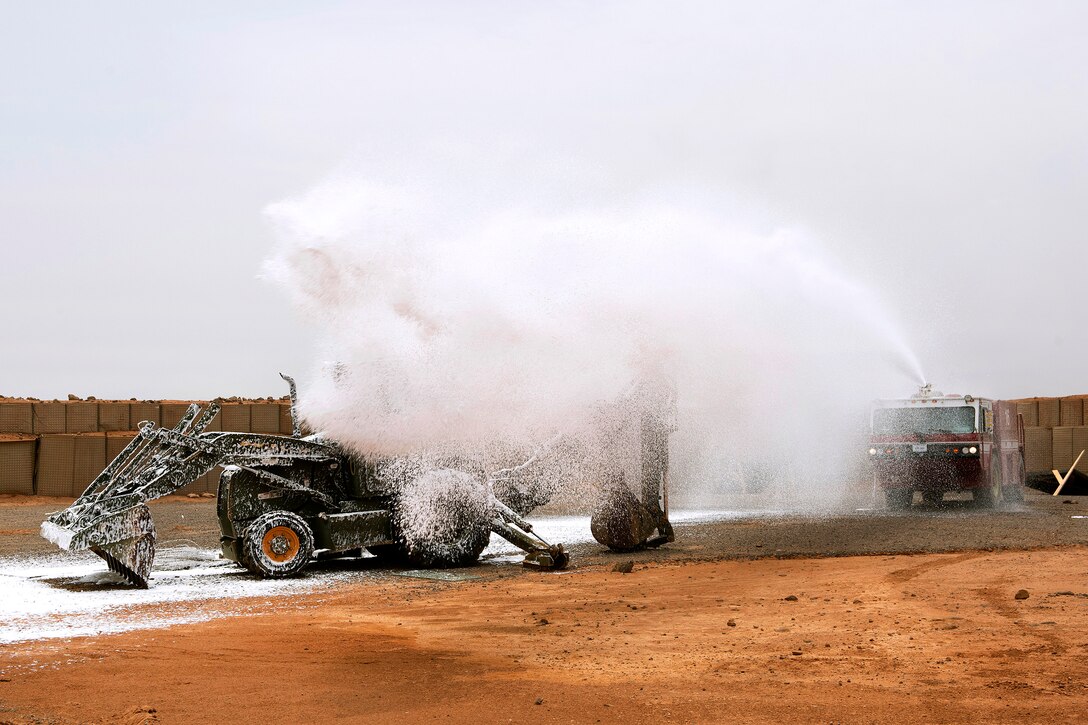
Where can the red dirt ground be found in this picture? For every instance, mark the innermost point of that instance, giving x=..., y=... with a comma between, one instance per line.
x=914, y=639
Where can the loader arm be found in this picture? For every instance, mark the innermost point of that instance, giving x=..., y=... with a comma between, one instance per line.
x=539, y=554
x=111, y=517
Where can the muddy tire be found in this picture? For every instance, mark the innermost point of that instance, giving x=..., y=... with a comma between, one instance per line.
x=898, y=499
x=390, y=554
x=990, y=497
x=1015, y=493
x=442, y=518
x=277, y=544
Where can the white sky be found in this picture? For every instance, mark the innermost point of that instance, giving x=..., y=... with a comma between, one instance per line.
x=939, y=150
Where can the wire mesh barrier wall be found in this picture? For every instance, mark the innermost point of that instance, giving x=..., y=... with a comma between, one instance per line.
x=1054, y=431
x=56, y=448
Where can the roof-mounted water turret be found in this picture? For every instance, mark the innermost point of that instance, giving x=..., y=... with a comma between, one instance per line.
x=926, y=392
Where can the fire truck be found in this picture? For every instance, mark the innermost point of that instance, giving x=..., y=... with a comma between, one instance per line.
x=934, y=444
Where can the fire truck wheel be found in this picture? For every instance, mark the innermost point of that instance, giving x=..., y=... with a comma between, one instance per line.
x=277, y=544
x=989, y=497
x=899, y=499
x=1015, y=492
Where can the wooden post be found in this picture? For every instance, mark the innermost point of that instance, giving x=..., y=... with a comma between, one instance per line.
x=1061, y=480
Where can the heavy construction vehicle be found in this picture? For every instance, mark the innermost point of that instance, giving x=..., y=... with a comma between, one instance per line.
x=284, y=499
x=934, y=443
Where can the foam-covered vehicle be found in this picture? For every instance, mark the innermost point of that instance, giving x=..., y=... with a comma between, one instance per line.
x=284, y=500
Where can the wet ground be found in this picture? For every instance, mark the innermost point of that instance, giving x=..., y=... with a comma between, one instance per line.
x=747, y=617
x=933, y=638
x=49, y=593
x=714, y=533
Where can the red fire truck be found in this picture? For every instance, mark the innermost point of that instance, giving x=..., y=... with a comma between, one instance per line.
x=934, y=443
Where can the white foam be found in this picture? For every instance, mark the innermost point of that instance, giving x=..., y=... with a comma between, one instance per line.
x=73, y=595
x=56, y=535
x=451, y=313
x=102, y=577
x=65, y=595
x=570, y=530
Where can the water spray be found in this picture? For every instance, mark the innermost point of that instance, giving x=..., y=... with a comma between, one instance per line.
x=492, y=324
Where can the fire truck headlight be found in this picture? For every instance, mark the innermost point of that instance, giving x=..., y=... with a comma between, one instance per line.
x=872, y=451
x=972, y=449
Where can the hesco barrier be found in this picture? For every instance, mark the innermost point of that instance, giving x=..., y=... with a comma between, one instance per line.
x=1054, y=432
x=17, y=455
x=56, y=448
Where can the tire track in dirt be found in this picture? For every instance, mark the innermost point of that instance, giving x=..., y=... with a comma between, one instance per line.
x=900, y=576
x=999, y=601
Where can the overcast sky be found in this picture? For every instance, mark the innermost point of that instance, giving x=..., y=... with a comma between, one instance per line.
x=938, y=151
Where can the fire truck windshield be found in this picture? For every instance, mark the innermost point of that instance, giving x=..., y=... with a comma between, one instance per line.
x=899, y=421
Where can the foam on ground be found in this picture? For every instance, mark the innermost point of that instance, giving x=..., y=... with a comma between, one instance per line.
x=67, y=595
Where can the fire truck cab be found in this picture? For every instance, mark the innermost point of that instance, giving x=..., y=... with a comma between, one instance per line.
x=934, y=443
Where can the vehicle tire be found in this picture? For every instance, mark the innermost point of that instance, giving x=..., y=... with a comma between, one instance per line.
x=443, y=518
x=391, y=554
x=990, y=497
x=899, y=499
x=1015, y=492
x=277, y=544
x=932, y=498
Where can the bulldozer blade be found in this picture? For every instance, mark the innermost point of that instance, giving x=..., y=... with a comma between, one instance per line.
x=130, y=550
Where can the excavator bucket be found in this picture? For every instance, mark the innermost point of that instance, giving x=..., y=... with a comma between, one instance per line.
x=620, y=521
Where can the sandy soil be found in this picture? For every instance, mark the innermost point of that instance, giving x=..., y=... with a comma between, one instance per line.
x=693, y=634
x=931, y=638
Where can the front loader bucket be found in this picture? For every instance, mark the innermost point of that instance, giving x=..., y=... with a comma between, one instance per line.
x=131, y=556
x=111, y=517
x=125, y=540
